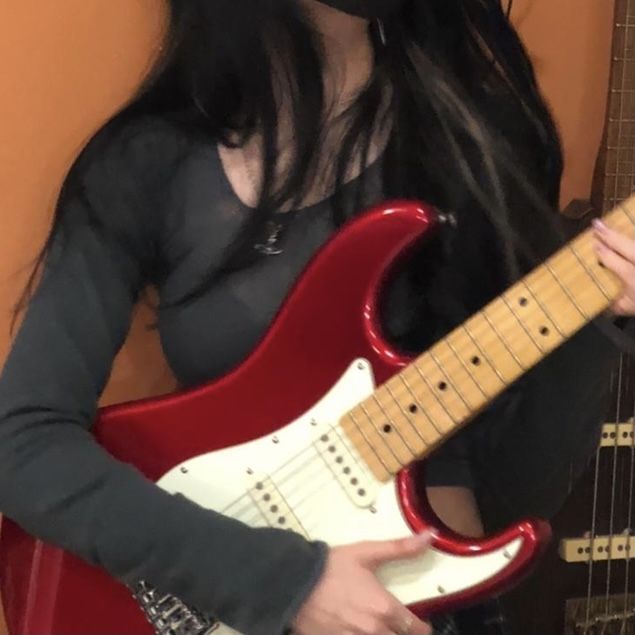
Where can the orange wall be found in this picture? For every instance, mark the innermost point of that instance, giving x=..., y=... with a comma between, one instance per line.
x=570, y=44
x=65, y=65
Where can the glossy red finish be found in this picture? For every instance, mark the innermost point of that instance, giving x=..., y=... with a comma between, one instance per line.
x=535, y=535
x=330, y=319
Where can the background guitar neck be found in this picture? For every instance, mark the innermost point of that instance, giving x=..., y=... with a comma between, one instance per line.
x=615, y=173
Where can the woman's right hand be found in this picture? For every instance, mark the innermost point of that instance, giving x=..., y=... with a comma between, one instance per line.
x=350, y=600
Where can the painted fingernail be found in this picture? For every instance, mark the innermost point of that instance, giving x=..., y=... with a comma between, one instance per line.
x=599, y=225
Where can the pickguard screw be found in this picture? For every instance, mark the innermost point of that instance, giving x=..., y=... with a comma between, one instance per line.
x=275, y=440
x=361, y=365
x=313, y=422
x=507, y=555
x=373, y=509
x=250, y=471
x=184, y=470
x=441, y=590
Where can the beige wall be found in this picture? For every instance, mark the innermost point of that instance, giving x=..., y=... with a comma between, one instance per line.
x=65, y=65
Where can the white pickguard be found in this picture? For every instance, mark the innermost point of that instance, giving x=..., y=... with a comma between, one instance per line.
x=297, y=472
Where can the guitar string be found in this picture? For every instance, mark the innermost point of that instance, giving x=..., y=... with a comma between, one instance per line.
x=280, y=472
x=616, y=196
x=630, y=31
x=510, y=318
x=281, y=479
x=294, y=505
x=631, y=491
x=596, y=481
x=614, y=482
x=551, y=287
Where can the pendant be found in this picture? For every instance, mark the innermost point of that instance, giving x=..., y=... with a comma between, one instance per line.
x=270, y=246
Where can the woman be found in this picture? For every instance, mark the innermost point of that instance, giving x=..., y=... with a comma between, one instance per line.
x=265, y=125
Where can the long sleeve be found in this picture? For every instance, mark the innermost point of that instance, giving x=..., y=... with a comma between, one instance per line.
x=61, y=486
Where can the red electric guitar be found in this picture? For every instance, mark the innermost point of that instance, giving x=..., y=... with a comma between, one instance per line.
x=329, y=457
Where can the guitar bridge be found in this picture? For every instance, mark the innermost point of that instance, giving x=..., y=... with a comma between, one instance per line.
x=169, y=615
x=601, y=616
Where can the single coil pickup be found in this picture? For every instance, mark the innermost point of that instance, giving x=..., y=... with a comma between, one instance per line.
x=272, y=505
x=600, y=615
x=597, y=549
x=341, y=459
x=621, y=435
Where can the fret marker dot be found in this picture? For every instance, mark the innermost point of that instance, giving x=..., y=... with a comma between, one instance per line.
x=412, y=408
x=544, y=330
x=476, y=361
x=523, y=301
x=387, y=429
x=442, y=385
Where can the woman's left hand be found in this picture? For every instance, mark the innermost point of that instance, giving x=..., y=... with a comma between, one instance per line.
x=617, y=253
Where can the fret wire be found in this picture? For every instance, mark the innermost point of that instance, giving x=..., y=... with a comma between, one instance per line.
x=522, y=324
x=351, y=416
x=450, y=383
x=564, y=288
x=447, y=399
x=543, y=307
x=598, y=283
x=381, y=436
x=521, y=320
x=393, y=425
x=406, y=383
x=468, y=370
x=346, y=441
x=406, y=414
x=434, y=393
x=484, y=355
x=356, y=440
x=503, y=342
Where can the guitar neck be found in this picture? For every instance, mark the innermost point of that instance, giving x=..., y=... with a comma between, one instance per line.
x=459, y=376
x=618, y=164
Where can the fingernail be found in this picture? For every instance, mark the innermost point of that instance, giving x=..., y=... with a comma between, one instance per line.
x=599, y=225
x=426, y=536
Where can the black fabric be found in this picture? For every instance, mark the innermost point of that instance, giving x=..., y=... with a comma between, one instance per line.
x=156, y=197
x=369, y=9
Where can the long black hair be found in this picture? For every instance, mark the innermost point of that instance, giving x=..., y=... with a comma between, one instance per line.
x=452, y=81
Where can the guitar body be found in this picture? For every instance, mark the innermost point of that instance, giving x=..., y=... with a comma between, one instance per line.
x=262, y=444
